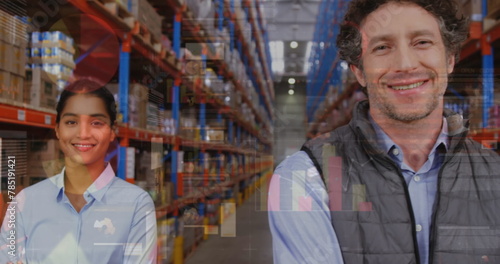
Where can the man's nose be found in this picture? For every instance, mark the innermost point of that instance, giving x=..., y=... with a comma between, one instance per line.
x=405, y=59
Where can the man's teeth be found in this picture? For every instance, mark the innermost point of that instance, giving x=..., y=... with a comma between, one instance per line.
x=407, y=87
x=83, y=146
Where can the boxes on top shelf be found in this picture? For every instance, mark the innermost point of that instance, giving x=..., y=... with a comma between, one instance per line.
x=54, y=52
x=472, y=9
x=13, y=29
x=493, y=5
x=147, y=16
x=52, y=39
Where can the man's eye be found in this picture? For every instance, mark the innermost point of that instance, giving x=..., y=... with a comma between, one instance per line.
x=423, y=43
x=70, y=122
x=381, y=48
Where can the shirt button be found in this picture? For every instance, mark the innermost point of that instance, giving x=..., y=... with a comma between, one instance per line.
x=395, y=151
x=419, y=228
x=417, y=178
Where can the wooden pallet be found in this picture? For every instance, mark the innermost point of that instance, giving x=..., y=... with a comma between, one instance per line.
x=115, y=10
x=141, y=32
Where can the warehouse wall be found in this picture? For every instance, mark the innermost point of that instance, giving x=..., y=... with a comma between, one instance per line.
x=289, y=124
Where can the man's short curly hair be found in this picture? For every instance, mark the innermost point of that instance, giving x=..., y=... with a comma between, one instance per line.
x=454, y=28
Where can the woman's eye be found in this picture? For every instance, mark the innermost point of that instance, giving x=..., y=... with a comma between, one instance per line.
x=97, y=123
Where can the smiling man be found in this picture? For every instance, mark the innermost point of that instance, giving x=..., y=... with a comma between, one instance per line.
x=402, y=182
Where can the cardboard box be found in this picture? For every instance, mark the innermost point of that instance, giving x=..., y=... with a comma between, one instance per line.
x=215, y=135
x=147, y=16
x=11, y=87
x=138, y=98
x=493, y=6
x=473, y=9
x=17, y=88
x=40, y=89
x=18, y=62
x=4, y=82
x=152, y=117
x=45, y=159
x=6, y=56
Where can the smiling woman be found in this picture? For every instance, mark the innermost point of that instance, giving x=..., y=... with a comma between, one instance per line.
x=84, y=214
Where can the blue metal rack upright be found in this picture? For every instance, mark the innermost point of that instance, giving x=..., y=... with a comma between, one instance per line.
x=176, y=102
x=324, y=68
x=123, y=82
x=488, y=71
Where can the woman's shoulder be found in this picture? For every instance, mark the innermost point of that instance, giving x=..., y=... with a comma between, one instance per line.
x=47, y=185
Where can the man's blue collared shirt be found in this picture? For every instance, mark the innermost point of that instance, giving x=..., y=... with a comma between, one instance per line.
x=299, y=215
x=117, y=225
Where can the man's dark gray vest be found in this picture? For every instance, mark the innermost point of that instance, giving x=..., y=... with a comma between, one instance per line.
x=370, y=205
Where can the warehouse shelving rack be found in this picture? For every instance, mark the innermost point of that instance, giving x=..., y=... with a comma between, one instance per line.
x=325, y=66
x=481, y=47
x=133, y=40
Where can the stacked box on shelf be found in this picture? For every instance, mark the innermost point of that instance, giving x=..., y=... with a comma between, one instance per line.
x=189, y=127
x=13, y=29
x=167, y=122
x=491, y=18
x=152, y=116
x=204, y=13
x=215, y=134
x=214, y=84
x=471, y=9
x=13, y=42
x=149, y=176
x=45, y=158
x=54, y=53
x=229, y=91
x=493, y=5
x=40, y=89
x=206, y=17
x=147, y=16
x=155, y=102
x=137, y=103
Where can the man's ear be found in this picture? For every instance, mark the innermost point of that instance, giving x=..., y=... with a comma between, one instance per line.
x=360, y=76
x=451, y=63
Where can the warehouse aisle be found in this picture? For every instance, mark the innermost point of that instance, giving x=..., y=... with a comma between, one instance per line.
x=251, y=245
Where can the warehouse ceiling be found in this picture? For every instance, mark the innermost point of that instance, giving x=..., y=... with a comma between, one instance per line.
x=290, y=21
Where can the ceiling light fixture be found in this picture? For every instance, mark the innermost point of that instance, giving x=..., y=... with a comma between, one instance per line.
x=291, y=81
x=294, y=44
x=291, y=92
